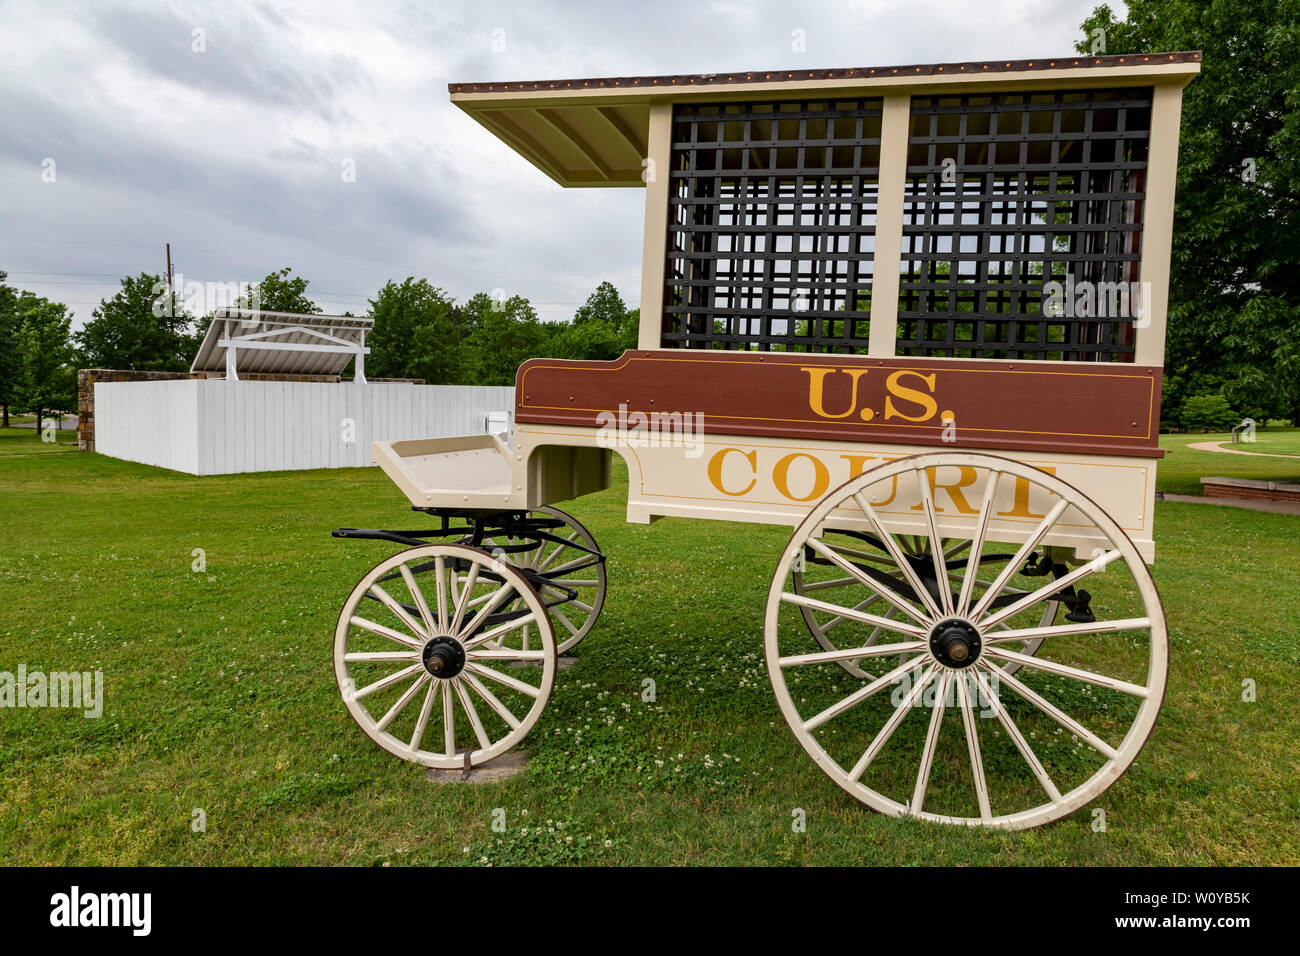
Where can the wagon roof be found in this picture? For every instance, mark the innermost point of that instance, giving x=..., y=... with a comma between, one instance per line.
x=594, y=131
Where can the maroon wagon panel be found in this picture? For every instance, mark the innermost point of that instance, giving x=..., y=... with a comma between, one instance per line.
x=1093, y=408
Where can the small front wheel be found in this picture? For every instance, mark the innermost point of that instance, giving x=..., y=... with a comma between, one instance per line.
x=429, y=657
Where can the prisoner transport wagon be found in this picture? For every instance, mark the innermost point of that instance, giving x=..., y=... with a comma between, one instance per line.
x=915, y=313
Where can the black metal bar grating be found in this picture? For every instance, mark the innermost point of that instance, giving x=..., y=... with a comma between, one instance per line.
x=1006, y=193
x=771, y=225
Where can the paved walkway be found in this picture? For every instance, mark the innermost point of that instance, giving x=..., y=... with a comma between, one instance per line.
x=1250, y=504
x=1218, y=446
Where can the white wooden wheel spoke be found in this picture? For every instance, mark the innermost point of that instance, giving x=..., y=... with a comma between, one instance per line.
x=584, y=561
x=1064, y=630
x=1047, y=591
x=559, y=549
x=375, y=657
x=1017, y=562
x=1051, y=710
x=835, y=620
x=464, y=597
x=415, y=627
x=374, y=627
x=1035, y=765
x=839, y=619
x=955, y=551
x=448, y=721
x=422, y=675
x=823, y=585
x=423, y=721
x=516, y=685
x=895, y=719
x=966, y=705
x=936, y=550
x=882, y=559
x=440, y=585
x=850, y=653
x=862, y=617
x=501, y=630
x=1016, y=625
x=1064, y=670
x=482, y=613
x=931, y=743
x=862, y=693
x=453, y=593
x=388, y=681
x=572, y=583
x=866, y=579
x=426, y=616
x=559, y=615
x=900, y=559
x=402, y=701
x=502, y=710
x=977, y=544
x=467, y=705
x=504, y=654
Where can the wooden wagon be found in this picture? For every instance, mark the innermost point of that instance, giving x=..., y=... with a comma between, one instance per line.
x=915, y=313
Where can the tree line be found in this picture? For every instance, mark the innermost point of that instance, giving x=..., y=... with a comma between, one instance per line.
x=420, y=331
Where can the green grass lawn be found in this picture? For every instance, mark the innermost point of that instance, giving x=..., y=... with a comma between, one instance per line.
x=27, y=441
x=220, y=695
x=1182, y=468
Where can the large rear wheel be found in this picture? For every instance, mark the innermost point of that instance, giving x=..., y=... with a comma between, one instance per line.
x=987, y=745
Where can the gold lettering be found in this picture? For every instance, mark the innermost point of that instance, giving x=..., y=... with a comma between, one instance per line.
x=925, y=399
x=966, y=476
x=715, y=470
x=817, y=386
x=781, y=476
x=857, y=463
x=1020, y=501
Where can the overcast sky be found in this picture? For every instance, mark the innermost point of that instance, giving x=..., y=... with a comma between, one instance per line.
x=234, y=153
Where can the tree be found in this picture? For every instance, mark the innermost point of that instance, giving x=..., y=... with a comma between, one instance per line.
x=603, y=305
x=1234, y=311
x=48, y=381
x=10, y=357
x=136, y=329
x=280, y=292
x=415, y=333
x=602, y=328
x=505, y=337
x=1209, y=413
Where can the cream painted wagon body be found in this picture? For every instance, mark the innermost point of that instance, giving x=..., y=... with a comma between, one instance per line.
x=915, y=313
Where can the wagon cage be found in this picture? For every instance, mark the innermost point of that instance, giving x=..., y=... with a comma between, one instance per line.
x=915, y=314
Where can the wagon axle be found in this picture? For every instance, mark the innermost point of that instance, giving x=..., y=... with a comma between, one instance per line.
x=443, y=657
x=955, y=643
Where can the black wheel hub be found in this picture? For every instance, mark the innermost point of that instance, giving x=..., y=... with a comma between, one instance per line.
x=955, y=643
x=444, y=657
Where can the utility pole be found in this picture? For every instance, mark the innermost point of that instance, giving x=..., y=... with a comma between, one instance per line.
x=169, y=276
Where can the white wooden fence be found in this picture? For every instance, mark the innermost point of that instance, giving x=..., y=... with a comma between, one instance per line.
x=214, y=427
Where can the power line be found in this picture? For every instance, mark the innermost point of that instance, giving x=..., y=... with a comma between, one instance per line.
x=280, y=258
